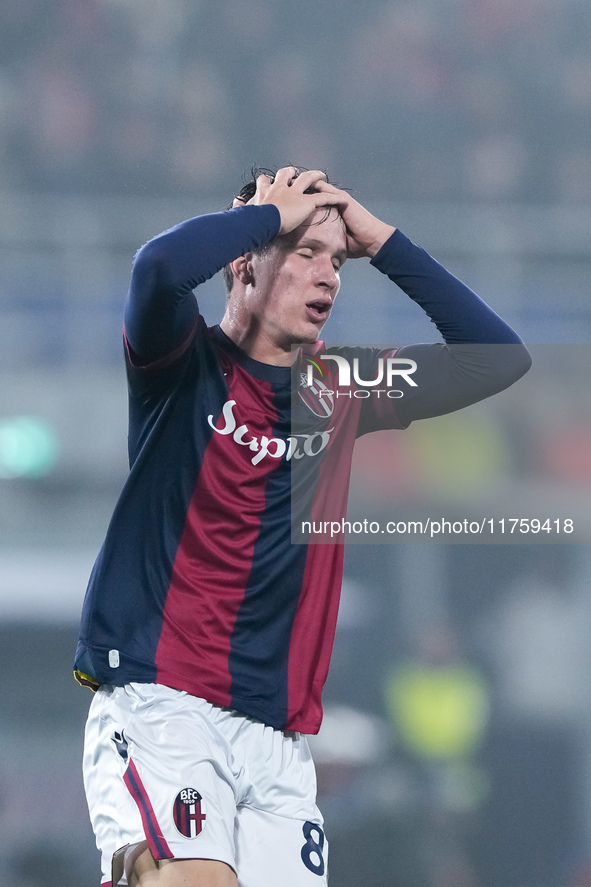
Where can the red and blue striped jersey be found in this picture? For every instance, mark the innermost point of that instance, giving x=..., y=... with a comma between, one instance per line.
x=198, y=585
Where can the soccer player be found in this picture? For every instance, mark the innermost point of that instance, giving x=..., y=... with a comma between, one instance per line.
x=205, y=632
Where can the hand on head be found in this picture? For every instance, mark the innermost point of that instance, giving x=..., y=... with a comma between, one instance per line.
x=287, y=191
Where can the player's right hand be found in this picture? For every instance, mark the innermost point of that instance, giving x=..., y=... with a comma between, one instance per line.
x=286, y=192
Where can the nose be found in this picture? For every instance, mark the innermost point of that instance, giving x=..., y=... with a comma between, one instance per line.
x=327, y=275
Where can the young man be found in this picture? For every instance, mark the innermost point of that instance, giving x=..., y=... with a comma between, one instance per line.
x=205, y=632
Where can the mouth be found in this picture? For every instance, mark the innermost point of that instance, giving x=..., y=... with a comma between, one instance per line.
x=318, y=310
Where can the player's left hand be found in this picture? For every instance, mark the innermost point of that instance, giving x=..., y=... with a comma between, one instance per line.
x=366, y=234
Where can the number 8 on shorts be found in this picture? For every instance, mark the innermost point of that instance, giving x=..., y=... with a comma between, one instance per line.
x=312, y=849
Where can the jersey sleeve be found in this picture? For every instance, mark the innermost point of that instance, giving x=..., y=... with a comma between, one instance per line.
x=164, y=332
x=160, y=310
x=481, y=354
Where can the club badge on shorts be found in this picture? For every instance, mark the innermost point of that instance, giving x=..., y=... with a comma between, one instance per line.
x=187, y=814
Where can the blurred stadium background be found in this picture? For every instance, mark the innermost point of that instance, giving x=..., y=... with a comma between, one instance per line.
x=457, y=745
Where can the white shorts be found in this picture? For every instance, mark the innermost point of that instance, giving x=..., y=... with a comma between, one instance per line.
x=198, y=781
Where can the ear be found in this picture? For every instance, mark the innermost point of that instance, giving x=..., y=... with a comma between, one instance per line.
x=242, y=268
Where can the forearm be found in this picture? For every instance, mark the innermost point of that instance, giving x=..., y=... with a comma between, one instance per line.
x=160, y=309
x=457, y=312
x=482, y=355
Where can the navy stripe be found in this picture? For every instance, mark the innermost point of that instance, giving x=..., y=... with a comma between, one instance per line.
x=147, y=525
x=136, y=788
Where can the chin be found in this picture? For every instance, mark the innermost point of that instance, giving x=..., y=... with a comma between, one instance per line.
x=312, y=332
x=309, y=337
x=306, y=336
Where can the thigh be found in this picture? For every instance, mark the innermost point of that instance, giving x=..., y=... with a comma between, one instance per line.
x=157, y=771
x=181, y=872
x=275, y=850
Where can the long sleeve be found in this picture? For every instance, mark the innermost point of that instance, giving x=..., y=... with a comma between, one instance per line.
x=161, y=310
x=457, y=312
x=482, y=355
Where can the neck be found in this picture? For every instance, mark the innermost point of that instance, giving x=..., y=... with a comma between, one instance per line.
x=253, y=341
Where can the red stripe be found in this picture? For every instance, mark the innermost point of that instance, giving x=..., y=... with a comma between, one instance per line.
x=153, y=832
x=310, y=650
x=213, y=562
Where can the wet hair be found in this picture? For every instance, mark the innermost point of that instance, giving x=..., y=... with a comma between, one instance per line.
x=247, y=192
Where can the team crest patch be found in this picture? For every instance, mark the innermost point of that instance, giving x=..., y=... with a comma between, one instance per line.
x=317, y=397
x=187, y=813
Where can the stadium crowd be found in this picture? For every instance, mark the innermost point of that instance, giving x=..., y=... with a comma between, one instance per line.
x=162, y=96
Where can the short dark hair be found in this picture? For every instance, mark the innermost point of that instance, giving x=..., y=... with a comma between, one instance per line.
x=248, y=191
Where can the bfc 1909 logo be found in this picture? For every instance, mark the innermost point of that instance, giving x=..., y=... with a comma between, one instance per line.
x=187, y=813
